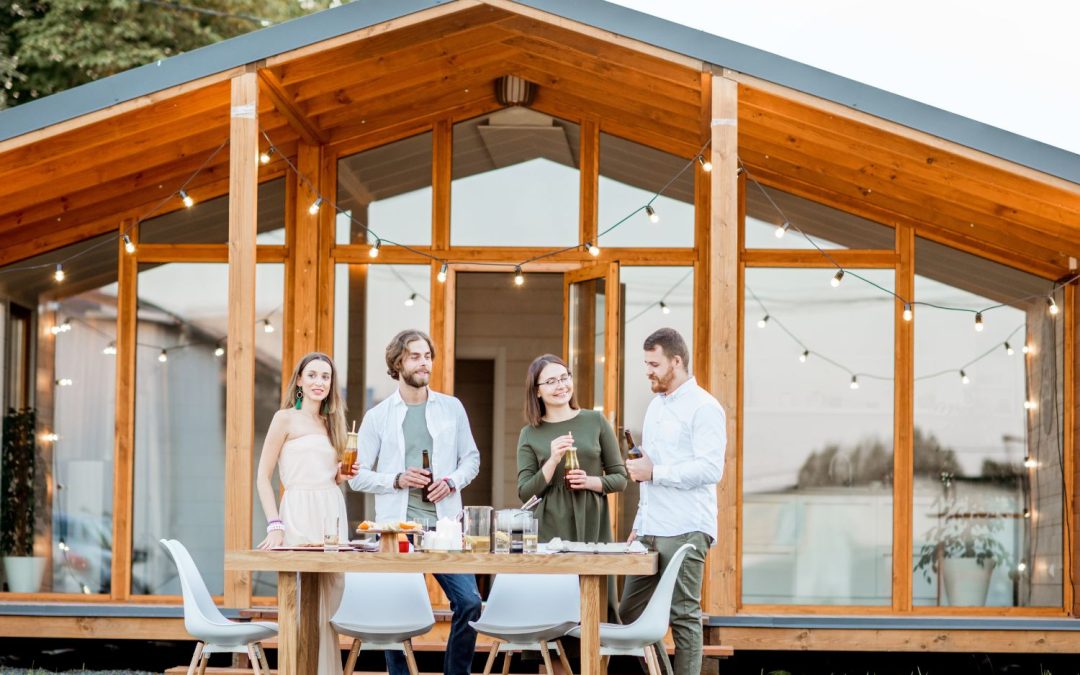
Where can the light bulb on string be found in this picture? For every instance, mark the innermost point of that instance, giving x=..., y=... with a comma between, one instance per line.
x=837, y=278
x=1028, y=349
x=854, y=382
x=59, y=273
x=314, y=208
x=964, y=378
x=763, y=321
x=129, y=245
x=593, y=249
x=1030, y=405
x=186, y=198
x=267, y=326
x=264, y=158
x=781, y=230
x=163, y=356
x=441, y=276
x=1021, y=567
x=374, y=250
x=61, y=327
x=1027, y=513
x=1008, y=349
x=1030, y=462
x=64, y=382
x=907, y=311
x=978, y=322
x=1051, y=306
x=706, y=165
x=654, y=217
x=110, y=349
x=219, y=351
x=411, y=300
x=805, y=355
x=664, y=308
x=519, y=278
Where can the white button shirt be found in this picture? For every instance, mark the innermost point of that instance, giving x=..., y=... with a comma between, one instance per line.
x=685, y=436
x=382, y=453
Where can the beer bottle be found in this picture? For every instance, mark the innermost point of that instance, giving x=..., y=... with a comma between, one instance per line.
x=570, y=462
x=425, y=463
x=632, y=450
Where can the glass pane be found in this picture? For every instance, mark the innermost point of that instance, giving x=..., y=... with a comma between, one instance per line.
x=588, y=301
x=630, y=176
x=515, y=180
x=208, y=222
x=59, y=425
x=767, y=209
x=179, y=483
x=653, y=297
x=372, y=303
x=389, y=190
x=817, y=452
x=987, y=522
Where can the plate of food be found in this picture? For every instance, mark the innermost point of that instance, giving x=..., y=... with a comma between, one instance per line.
x=313, y=547
x=392, y=527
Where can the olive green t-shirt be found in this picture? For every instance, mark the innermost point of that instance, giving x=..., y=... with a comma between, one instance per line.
x=417, y=439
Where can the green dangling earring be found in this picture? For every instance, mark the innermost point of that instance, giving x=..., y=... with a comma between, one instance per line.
x=324, y=408
x=299, y=397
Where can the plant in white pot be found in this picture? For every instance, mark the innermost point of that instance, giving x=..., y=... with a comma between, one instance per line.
x=22, y=569
x=963, y=549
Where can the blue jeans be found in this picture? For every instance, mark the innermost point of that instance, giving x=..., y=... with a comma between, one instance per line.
x=465, y=604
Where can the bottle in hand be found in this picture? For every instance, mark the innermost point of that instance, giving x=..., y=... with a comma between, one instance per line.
x=632, y=450
x=570, y=462
x=426, y=466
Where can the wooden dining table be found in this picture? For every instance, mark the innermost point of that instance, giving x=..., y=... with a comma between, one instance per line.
x=298, y=577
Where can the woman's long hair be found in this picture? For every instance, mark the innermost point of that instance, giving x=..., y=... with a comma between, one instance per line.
x=332, y=410
x=534, y=405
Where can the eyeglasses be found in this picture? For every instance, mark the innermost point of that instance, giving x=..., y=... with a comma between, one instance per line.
x=551, y=382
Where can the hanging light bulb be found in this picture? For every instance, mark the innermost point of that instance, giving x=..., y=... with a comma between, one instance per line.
x=264, y=158
x=314, y=208
x=805, y=355
x=441, y=276
x=374, y=250
x=267, y=326
x=519, y=278
x=219, y=351
x=110, y=349
x=706, y=165
x=837, y=278
x=964, y=378
x=1008, y=349
x=1021, y=567
x=1051, y=306
x=188, y=201
x=1027, y=513
x=654, y=217
x=593, y=249
x=907, y=311
x=1030, y=405
x=61, y=327
x=854, y=382
x=664, y=308
x=59, y=273
x=978, y=322
x=1028, y=349
x=781, y=230
x=64, y=382
x=411, y=300
x=163, y=356
x=1030, y=462
x=762, y=321
x=129, y=245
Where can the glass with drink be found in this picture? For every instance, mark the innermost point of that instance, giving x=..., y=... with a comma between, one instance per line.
x=478, y=529
x=529, y=537
x=331, y=535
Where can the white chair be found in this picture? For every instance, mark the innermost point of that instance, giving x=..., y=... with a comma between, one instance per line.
x=383, y=611
x=525, y=612
x=205, y=622
x=638, y=638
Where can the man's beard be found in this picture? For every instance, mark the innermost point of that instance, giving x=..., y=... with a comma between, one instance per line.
x=416, y=379
x=660, y=385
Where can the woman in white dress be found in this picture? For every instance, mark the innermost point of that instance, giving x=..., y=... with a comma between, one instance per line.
x=305, y=441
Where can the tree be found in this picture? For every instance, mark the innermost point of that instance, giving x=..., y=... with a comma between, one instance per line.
x=48, y=46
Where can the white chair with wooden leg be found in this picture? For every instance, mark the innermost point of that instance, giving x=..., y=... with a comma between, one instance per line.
x=638, y=638
x=383, y=611
x=525, y=612
x=205, y=622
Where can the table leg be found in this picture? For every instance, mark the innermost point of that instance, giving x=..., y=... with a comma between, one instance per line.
x=287, y=637
x=307, y=652
x=591, y=604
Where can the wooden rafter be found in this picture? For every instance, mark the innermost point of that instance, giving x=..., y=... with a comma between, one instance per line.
x=298, y=120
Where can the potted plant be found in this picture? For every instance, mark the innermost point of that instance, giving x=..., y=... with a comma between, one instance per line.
x=962, y=549
x=22, y=569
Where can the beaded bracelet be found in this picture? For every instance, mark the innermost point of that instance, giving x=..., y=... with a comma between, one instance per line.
x=275, y=525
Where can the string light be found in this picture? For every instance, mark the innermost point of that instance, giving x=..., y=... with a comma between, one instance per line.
x=49, y=437
x=1027, y=514
x=1021, y=566
x=314, y=208
x=664, y=308
x=129, y=245
x=593, y=249
x=264, y=158
x=706, y=165
x=219, y=351
x=978, y=322
x=441, y=276
x=59, y=273
x=267, y=326
x=654, y=217
x=805, y=355
x=964, y=378
x=854, y=382
x=1051, y=306
x=837, y=278
x=110, y=349
x=762, y=321
x=188, y=201
x=373, y=252
x=519, y=278
x=1028, y=349
x=1009, y=351
x=61, y=327
x=163, y=356
x=411, y=300
x=64, y=382
x=907, y=311
x=1030, y=405
x=781, y=230
x=1030, y=462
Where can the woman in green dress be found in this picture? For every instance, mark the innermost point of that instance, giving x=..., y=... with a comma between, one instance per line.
x=578, y=512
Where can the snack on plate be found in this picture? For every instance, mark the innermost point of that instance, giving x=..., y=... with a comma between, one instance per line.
x=408, y=525
x=366, y=525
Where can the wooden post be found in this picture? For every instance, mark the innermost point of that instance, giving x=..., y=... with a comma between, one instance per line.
x=443, y=294
x=443, y=308
x=1071, y=558
x=127, y=305
x=724, y=329
x=326, y=179
x=304, y=255
x=903, y=439
x=589, y=141
x=240, y=377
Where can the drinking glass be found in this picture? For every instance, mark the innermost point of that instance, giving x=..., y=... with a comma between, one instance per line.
x=331, y=537
x=504, y=534
x=529, y=535
x=478, y=529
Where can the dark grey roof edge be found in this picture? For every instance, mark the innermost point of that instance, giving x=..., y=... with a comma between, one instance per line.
x=202, y=62
x=721, y=51
x=674, y=37
x=894, y=623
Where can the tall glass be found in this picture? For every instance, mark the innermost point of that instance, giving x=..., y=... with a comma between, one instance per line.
x=478, y=529
x=348, y=457
x=504, y=534
x=529, y=536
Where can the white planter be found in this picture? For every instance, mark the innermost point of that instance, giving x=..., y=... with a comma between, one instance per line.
x=966, y=581
x=24, y=573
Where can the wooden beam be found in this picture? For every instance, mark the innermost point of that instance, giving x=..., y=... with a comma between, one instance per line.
x=324, y=336
x=589, y=170
x=903, y=424
x=865, y=259
x=240, y=375
x=204, y=253
x=442, y=320
x=462, y=255
x=298, y=120
x=127, y=305
x=304, y=256
x=442, y=157
x=702, y=230
x=288, y=308
x=938, y=640
x=95, y=627
x=1071, y=430
x=724, y=332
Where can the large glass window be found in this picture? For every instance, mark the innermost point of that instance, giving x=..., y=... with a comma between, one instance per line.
x=631, y=175
x=771, y=212
x=179, y=483
x=987, y=522
x=515, y=180
x=58, y=345
x=387, y=189
x=817, y=438
x=208, y=222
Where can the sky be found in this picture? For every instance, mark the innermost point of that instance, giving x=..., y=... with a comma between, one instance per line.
x=1011, y=65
